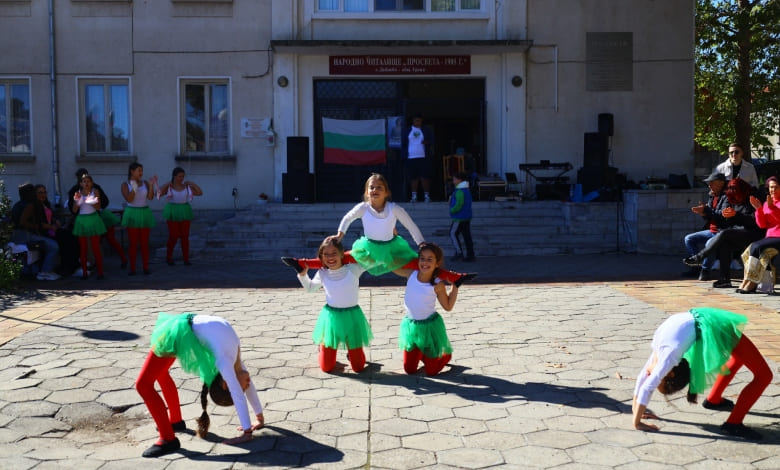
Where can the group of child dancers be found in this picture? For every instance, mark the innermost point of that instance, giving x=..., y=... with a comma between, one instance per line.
x=692, y=349
x=88, y=201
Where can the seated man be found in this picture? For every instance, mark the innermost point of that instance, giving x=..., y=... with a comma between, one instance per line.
x=712, y=213
x=741, y=231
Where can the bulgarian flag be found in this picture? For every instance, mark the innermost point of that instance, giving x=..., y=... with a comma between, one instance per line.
x=354, y=142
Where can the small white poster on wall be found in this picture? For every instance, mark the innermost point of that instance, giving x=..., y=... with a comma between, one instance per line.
x=255, y=128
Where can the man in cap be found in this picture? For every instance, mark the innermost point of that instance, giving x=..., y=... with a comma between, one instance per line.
x=711, y=212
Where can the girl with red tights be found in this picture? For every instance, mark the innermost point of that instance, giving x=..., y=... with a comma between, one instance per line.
x=138, y=218
x=423, y=336
x=341, y=321
x=178, y=213
x=695, y=348
x=88, y=226
x=206, y=346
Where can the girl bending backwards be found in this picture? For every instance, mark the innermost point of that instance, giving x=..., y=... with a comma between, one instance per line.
x=138, y=218
x=696, y=348
x=341, y=321
x=381, y=250
x=423, y=336
x=206, y=346
x=88, y=225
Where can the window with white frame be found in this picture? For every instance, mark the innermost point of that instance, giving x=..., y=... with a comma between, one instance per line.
x=104, y=115
x=15, y=123
x=399, y=5
x=205, y=116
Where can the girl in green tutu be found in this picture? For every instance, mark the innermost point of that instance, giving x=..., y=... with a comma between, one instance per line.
x=423, y=336
x=138, y=218
x=381, y=250
x=341, y=322
x=178, y=213
x=695, y=349
x=88, y=226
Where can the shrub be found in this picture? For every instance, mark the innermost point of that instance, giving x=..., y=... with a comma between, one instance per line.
x=10, y=267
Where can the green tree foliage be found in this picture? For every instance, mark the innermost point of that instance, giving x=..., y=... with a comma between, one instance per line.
x=737, y=78
x=9, y=267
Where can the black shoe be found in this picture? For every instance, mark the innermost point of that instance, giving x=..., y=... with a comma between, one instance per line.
x=123, y=265
x=293, y=263
x=456, y=257
x=170, y=262
x=724, y=405
x=158, y=450
x=743, y=291
x=464, y=277
x=131, y=273
x=740, y=430
x=704, y=275
x=693, y=260
x=187, y=263
x=722, y=284
x=147, y=272
x=179, y=426
x=468, y=259
x=100, y=277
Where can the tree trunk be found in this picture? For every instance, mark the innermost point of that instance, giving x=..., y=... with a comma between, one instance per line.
x=742, y=125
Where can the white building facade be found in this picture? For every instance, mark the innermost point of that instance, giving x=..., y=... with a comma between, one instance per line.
x=217, y=87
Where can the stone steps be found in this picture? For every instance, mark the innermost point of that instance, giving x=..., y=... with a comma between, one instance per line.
x=268, y=231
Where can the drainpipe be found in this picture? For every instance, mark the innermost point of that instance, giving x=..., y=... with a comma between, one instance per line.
x=55, y=164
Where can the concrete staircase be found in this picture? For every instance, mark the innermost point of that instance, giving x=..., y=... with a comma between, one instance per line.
x=268, y=231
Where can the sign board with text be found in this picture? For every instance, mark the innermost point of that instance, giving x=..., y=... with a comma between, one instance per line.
x=400, y=65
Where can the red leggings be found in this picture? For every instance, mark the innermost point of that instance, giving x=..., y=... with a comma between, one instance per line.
x=111, y=238
x=178, y=231
x=95, y=242
x=433, y=365
x=744, y=353
x=316, y=263
x=357, y=358
x=155, y=368
x=138, y=236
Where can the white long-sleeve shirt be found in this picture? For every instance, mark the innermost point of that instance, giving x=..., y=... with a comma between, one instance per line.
x=222, y=340
x=379, y=226
x=341, y=285
x=671, y=340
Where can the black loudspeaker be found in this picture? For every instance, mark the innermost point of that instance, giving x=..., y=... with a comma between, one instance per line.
x=297, y=154
x=596, y=150
x=596, y=178
x=607, y=124
x=297, y=187
x=553, y=191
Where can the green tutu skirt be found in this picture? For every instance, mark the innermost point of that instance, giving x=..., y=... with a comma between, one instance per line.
x=429, y=336
x=177, y=212
x=337, y=327
x=173, y=336
x=717, y=333
x=379, y=258
x=138, y=217
x=109, y=218
x=89, y=225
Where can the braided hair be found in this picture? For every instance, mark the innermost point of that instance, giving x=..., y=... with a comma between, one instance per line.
x=220, y=395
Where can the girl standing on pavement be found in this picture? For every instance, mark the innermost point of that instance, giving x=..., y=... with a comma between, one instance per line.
x=341, y=321
x=694, y=349
x=206, y=346
x=178, y=213
x=138, y=218
x=423, y=336
x=381, y=250
x=88, y=226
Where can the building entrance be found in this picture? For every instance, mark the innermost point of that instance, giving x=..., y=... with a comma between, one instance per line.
x=453, y=109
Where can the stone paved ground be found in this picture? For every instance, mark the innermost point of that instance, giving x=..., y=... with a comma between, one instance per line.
x=542, y=377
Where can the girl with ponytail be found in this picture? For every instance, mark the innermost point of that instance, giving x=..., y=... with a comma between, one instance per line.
x=206, y=346
x=695, y=349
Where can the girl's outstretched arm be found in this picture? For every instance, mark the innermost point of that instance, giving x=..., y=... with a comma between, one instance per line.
x=447, y=300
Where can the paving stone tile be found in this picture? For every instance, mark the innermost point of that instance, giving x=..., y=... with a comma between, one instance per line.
x=403, y=458
x=536, y=457
x=432, y=441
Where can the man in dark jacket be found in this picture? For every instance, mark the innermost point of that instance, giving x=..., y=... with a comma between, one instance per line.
x=712, y=213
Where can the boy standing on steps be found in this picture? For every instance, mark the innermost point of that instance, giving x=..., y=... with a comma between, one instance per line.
x=460, y=213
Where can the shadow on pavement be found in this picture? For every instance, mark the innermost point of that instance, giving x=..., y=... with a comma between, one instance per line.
x=102, y=335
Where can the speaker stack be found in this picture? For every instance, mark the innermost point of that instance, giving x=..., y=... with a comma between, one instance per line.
x=297, y=183
x=596, y=172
